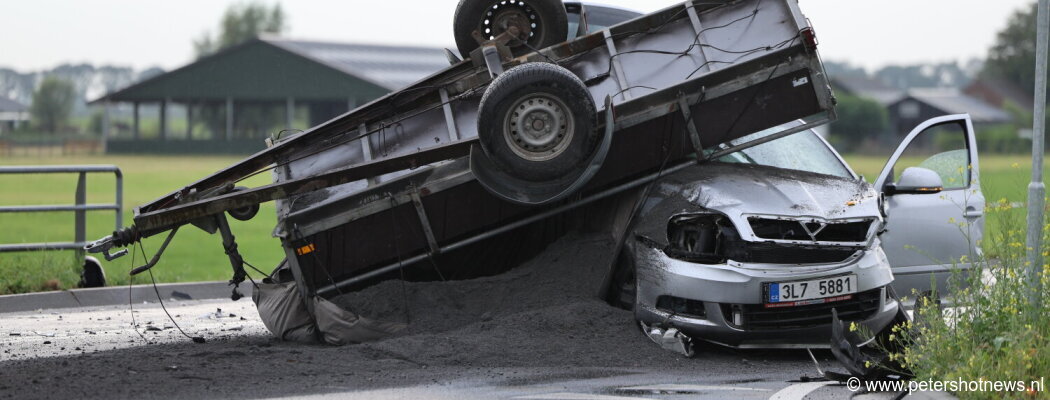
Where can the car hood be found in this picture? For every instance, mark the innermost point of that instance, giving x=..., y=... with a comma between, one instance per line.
x=740, y=190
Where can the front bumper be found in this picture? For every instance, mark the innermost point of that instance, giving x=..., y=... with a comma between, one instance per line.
x=725, y=290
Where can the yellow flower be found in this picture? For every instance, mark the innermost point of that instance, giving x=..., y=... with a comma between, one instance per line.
x=1015, y=165
x=852, y=326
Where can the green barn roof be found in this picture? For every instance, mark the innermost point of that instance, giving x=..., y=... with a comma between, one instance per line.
x=276, y=69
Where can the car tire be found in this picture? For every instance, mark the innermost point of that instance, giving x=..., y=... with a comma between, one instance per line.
x=625, y=284
x=628, y=292
x=549, y=16
x=536, y=122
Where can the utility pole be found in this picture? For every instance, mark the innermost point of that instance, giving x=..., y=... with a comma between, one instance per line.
x=1036, y=189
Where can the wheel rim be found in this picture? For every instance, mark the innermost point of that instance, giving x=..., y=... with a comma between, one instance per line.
x=506, y=13
x=538, y=127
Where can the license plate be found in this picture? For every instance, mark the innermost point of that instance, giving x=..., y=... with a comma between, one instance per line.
x=816, y=291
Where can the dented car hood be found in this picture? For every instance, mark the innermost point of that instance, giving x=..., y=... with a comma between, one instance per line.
x=740, y=191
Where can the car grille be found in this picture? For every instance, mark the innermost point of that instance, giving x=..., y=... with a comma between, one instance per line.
x=771, y=253
x=756, y=317
x=789, y=229
x=712, y=239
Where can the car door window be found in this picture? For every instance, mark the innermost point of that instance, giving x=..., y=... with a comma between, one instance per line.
x=941, y=148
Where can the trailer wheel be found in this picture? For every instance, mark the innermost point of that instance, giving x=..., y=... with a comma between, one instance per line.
x=541, y=23
x=92, y=275
x=537, y=122
x=244, y=213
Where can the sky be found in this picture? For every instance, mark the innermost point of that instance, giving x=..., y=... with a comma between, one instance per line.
x=40, y=34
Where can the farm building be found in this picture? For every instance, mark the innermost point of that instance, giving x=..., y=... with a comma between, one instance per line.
x=1000, y=93
x=229, y=102
x=866, y=87
x=12, y=114
x=918, y=105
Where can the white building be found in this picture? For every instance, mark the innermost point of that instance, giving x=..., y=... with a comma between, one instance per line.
x=12, y=114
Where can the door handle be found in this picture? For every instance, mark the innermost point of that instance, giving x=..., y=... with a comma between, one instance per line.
x=973, y=212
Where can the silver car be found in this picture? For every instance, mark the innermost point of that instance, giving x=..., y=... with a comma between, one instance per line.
x=756, y=248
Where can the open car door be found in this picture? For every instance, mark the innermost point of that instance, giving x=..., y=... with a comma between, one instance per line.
x=935, y=209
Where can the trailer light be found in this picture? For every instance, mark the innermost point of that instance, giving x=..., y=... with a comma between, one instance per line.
x=305, y=249
x=809, y=38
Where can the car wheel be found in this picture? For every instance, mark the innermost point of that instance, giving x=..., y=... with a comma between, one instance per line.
x=628, y=291
x=626, y=284
x=536, y=122
x=541, y=23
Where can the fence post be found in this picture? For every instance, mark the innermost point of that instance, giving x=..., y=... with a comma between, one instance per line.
x=80, y=235
x=119, y=199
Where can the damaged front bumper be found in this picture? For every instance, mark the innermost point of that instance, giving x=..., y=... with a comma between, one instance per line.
x=723, y=303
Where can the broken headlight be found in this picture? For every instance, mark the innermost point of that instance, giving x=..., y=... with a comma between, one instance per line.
x=697, y=237
x=711, y=238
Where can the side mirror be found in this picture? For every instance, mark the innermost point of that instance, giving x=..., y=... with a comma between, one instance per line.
x=915, y=180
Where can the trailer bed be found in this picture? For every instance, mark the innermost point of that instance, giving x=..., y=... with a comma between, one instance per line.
x=403, y=179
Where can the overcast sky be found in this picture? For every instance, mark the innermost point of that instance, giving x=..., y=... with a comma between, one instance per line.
x=39, y=34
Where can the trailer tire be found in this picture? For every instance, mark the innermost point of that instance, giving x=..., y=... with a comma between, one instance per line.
x=92, y=275
x=550, y=23
x=244, y=213
x=537, y=122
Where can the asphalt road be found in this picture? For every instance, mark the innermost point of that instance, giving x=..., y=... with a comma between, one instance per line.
x=96, y=353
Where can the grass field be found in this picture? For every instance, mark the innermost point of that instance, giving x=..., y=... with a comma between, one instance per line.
x=197, y=256
x=192, y=256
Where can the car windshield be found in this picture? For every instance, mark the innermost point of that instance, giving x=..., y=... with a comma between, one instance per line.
x=803, y=151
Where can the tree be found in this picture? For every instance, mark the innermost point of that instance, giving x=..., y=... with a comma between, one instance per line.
x=52, y=104
x=240, y=23
x=904, y=77
x=859, y=119
x=843, y=69
x=1012, y=57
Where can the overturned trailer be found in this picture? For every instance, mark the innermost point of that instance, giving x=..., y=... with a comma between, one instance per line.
x=525, y=127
